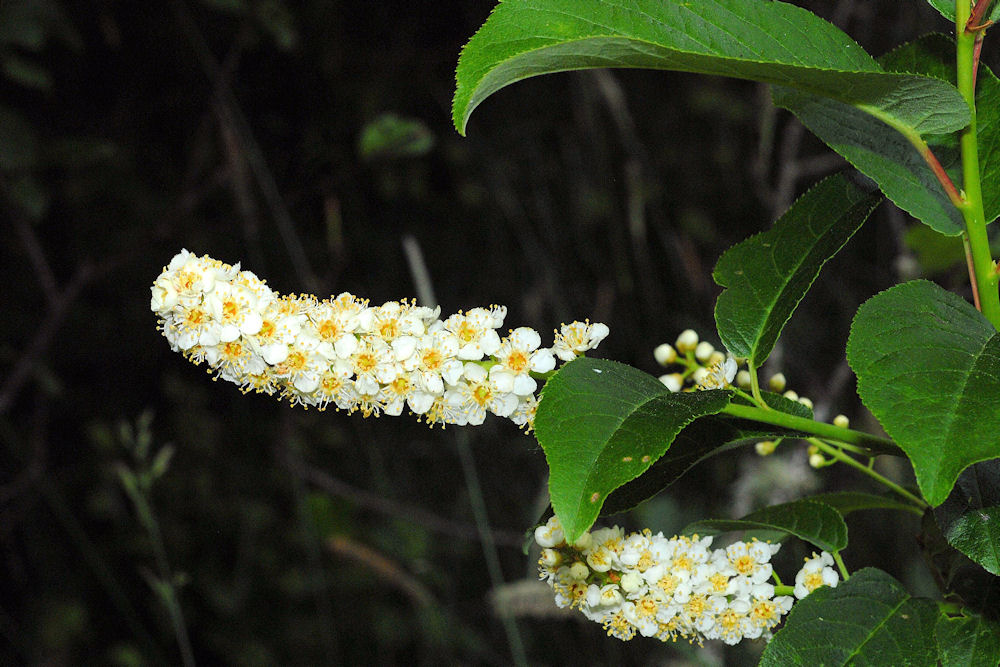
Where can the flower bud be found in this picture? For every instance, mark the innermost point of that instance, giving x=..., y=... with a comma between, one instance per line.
x=806, y=402
x=715, y=358
x=673, y=381
x=791, y=395
x=777, y=383
x=579, y=571
x=816, y=460
x=550, y=558
x=700, y=374
x=631, y=581
x=743, y=379
x=665, y=354
x=766, y=447
x=687, y=341
x=842, y=421
x=703, y=351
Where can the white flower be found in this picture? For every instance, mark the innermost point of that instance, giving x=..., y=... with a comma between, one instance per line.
x=335, y=321
x=194, y=326
x=518, y=356
x=719, y=376
x=817, y=571
x=751, y=560
x=393, y=319
x=476, y=331
x=434, y=361
x=575, y=338
x=373, y=364
x=524, y=414
x=550, y=534
x=302, y=369
x=472, y=399
x=237, y=309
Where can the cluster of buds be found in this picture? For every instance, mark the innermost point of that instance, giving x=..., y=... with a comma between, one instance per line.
x=671, y=588
x=343, y=352
x=702, y=366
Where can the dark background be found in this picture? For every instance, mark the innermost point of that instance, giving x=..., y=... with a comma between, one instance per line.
x=129, y=130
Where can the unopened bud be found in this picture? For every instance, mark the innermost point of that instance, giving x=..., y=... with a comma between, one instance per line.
x=766, y=447
x=715, y=358
x=665, y=354
x=700, y=374
x=743, y=379
x=806, y=402
x=842, y=421
x=703, y=351
x=777, y=383
x=791, y=395
x=550, y=558
x=816, y=460
x=673, y=381
x=687, y=341
x=630, y=582
x=579, y=571
x=583, y=542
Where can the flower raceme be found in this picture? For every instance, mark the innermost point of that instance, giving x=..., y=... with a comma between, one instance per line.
x=671, y=588
x=343, y=352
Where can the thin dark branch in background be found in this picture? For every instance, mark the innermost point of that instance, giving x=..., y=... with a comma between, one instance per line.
x=45, y=334
x=313, y=541
x=376, y=503
x=35, y=466
x=232, y=115
x=387, y=569
x=43, y=270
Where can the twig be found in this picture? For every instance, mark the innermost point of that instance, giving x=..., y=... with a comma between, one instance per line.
x=43, y=337
x=383, y=505
x=387, y=569
x=486, y=539
x=43, y=270
x=232, y=114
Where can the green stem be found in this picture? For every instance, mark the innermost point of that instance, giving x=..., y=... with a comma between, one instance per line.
x=834, y=452
x=972, y=210
x=755, y=388
x=829, y=431
x=784, y=590
x=840, y=566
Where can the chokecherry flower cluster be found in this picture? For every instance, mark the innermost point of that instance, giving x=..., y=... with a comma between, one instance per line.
x=670, y=588
x=343, y=352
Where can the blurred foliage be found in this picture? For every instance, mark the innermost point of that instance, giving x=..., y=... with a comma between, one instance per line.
x=305, y=140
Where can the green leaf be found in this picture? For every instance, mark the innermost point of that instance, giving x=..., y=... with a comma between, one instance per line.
x=602, y=424
x=869, y=619
x=701, y=439
x=934, y=251
x=947, y=9
x=814, y=522
x=846, y=502
x=959, y=579
x=970, y=517
x=767, y=275
x=888, y=158
x=928, y=367
x=392, y=136
x=968, y=641
x=760, y=40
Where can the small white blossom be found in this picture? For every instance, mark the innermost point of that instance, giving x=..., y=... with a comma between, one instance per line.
x=817, y=571
x=575, y=338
